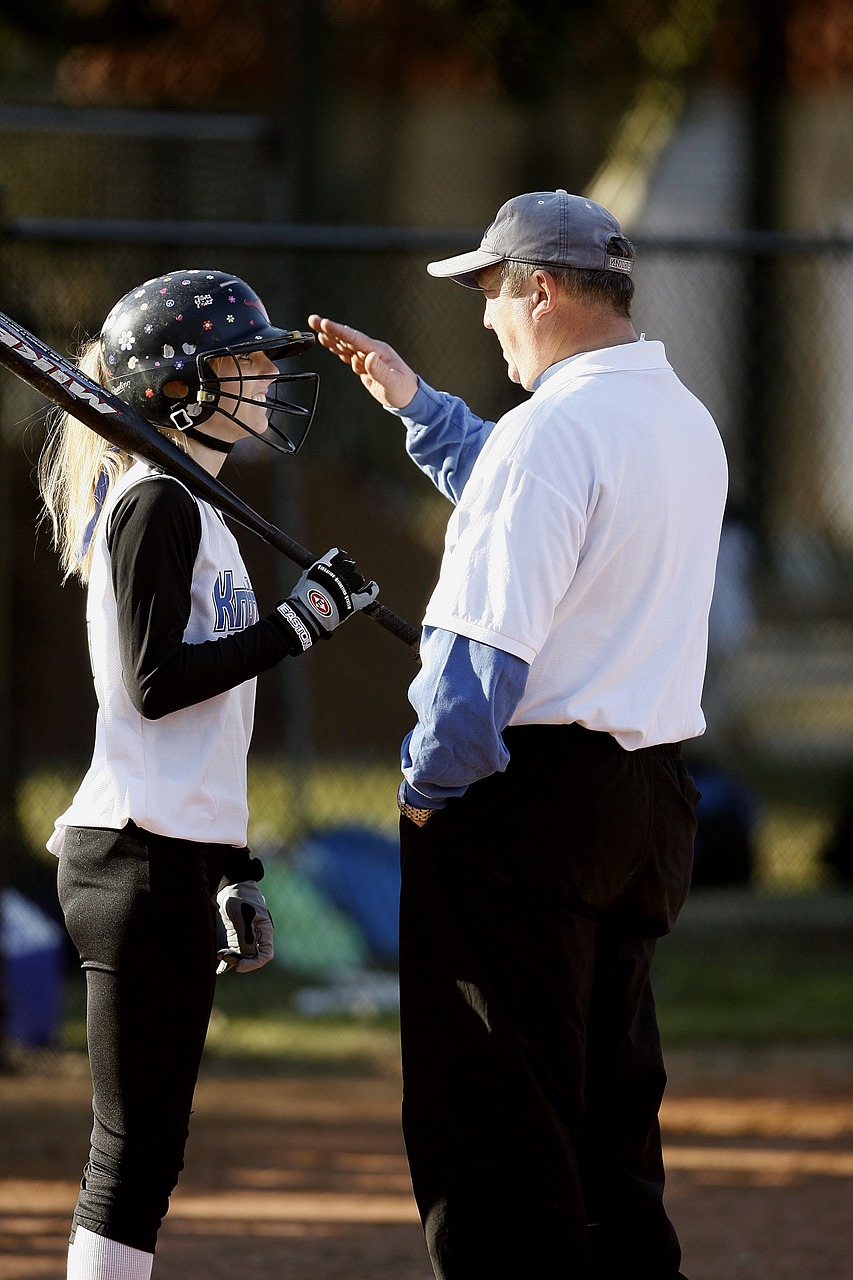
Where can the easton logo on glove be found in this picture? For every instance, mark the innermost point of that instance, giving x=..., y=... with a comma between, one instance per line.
x=320, y=603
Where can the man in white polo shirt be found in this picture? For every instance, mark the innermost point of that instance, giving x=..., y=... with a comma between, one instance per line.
x=547, y=815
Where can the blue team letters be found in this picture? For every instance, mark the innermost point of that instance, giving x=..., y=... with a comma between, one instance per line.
x=235, y=607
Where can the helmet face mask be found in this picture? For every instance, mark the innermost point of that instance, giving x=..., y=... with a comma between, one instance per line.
x=289, y=399
x=159, y=341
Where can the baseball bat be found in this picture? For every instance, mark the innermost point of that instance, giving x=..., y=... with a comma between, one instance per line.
x=62, y=382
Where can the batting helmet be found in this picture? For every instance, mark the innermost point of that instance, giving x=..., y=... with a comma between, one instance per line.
x=165, y=332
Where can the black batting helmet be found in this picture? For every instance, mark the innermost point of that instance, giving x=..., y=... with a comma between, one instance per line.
x=166, y=331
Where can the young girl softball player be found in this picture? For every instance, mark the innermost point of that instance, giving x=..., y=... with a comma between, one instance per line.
x=159, y=823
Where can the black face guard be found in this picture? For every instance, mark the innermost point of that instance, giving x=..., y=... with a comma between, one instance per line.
x=289, y=418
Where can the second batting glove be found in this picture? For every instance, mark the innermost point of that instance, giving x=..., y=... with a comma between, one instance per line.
x=248, y=928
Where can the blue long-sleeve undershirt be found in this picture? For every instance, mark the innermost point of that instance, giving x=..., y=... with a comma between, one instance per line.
x=443, y=437
x=466, y=692
x=464, y=696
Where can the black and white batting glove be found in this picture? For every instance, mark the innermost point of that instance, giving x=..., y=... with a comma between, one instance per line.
x=328, y=593
x=248, y=928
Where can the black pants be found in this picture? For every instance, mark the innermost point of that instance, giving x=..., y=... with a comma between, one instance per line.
x=140, y=911
x=532, y=1067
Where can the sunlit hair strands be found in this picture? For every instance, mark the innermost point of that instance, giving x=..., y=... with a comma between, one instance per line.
x=76, y=470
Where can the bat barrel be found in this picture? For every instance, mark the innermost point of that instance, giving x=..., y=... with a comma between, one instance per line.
x=63, y=383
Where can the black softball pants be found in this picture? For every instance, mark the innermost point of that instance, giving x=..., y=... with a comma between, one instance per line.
x=140, y=910
x=532, y=1066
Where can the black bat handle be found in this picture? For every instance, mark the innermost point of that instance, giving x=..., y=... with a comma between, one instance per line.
x=300, y=555
x=397, y=626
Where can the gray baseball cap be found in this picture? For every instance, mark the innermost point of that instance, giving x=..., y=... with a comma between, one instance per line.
x=544, y=228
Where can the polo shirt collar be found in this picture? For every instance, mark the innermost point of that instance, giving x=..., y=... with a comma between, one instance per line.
x=627, y=355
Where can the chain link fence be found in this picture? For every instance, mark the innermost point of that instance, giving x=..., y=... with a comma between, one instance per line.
x=754, y=325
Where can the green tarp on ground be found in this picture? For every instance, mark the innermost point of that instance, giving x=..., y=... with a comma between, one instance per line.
x=311, y=934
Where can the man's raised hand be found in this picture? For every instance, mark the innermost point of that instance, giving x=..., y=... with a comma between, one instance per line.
x=382, y=371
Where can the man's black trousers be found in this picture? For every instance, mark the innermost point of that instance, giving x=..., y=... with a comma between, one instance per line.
x=532, y=1066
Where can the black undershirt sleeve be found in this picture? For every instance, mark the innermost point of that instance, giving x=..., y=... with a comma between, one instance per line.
x=153, y=540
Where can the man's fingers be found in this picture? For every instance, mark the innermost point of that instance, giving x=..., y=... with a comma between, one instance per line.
x=381, y=370
x=341, y=338
x=331, y=332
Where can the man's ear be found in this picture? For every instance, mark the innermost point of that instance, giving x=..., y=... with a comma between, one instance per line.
x=544, y=290
x=176, y=390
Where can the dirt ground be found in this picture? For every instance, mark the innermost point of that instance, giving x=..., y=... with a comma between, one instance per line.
x=297, y=1177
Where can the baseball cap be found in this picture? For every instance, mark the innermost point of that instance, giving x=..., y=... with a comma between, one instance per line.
x=544, y=228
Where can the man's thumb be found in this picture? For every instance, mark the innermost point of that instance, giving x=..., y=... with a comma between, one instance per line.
x=377, y=367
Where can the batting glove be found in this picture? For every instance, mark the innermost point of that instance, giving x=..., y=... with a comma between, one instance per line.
x=328, y=593
x=248, y=928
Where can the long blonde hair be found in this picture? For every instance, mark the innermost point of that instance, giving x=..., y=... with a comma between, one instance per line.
x=76, y=470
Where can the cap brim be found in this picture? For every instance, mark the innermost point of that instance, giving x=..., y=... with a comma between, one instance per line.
x=464, y=267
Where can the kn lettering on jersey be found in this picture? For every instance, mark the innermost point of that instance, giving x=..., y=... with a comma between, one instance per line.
x=235, y=606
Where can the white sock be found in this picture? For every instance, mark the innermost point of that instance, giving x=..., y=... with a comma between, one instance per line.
x=94, y=1257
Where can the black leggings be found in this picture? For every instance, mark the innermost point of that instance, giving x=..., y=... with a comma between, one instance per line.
x=140, y=911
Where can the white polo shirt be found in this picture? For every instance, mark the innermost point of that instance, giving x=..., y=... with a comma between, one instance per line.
x=585, y=541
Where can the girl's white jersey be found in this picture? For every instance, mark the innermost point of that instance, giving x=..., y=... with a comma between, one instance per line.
x=183, y=775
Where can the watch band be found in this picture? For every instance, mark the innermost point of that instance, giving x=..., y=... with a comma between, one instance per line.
x=416, y=814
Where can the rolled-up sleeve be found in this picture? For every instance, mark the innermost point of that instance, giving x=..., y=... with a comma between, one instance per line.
x=443, y=437
x=464, y=695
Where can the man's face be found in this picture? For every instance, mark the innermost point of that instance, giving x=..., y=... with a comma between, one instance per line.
x=509, y=316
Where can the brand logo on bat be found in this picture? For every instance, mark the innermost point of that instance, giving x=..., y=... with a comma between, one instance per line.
x=65, y=377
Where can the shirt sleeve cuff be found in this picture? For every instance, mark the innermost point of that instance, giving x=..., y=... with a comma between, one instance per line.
x=422, y=408
x=419, y=801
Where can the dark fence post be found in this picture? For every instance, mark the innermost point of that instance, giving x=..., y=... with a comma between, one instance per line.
x=764, y=303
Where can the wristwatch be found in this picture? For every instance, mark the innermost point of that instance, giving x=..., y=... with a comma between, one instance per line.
x=417, y=815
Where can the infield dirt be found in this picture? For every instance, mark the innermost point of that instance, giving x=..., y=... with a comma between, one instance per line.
x=304, y=1177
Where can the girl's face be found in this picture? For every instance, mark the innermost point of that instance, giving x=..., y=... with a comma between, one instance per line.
x=249, y=375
